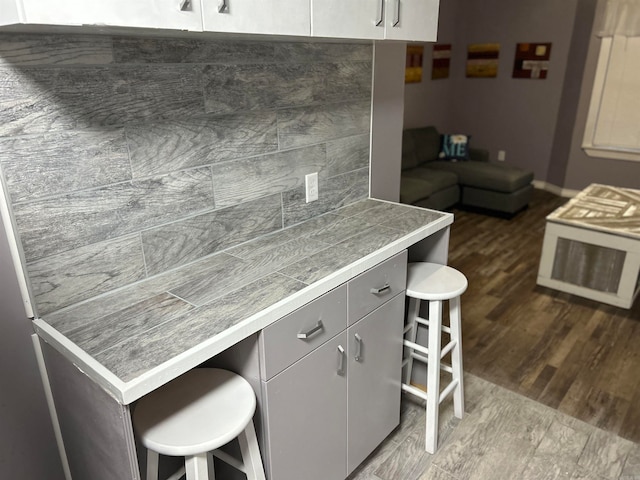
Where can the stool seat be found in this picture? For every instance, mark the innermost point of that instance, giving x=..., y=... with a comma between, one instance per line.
x=431, y=281
x=198, y=412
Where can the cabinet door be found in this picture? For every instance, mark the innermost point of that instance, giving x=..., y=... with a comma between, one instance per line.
x=167, y=14
x=305, y=416
x=375, y=364
x=276, y=17
x=348, y=19
x=413, y=20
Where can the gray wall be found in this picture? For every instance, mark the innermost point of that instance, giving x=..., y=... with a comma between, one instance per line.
x=582, y=169
x=27, y=445
x=503, y=113
x=126, y=157
x=539, y=123
x=386, y=124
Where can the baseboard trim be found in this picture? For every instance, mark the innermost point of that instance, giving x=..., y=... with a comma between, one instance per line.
x=556, y=190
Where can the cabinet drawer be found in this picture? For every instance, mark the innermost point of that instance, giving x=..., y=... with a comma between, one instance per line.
x=281, y=344
x=372, y=288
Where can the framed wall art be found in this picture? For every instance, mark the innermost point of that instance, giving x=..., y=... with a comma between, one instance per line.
x=482, y=60
x=532, y=60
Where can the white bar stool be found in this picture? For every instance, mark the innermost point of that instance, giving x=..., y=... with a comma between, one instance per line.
x=436, y=284
x=194, y=415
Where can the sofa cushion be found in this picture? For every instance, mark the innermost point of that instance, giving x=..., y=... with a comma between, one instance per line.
x=427, y=143
x=420, y=183
x=409, y=151
x=487, y=175
x=454, y=147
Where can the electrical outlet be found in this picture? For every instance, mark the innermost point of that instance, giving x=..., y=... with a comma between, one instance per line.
x=502, y=155
x=311, y=186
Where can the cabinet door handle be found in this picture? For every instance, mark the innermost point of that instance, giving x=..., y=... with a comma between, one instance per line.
x=340, y=360
x=308, y=333
x=381, y=15
x=358, y=355
x=382, y=289
x=185, y=5
x=223, y=7
x=396, y=18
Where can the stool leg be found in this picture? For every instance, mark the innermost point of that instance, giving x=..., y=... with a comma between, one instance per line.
x=412, y=314
x=198, y=467
x=251, y=453
x=152, y=465
x=433, y=375
x=455, y=319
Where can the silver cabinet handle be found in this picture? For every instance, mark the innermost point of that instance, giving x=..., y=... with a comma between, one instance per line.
x=340, y=360
x=381, y=15
x=223, y=7
x=379, y=290
x=185, y=5
x=358, y=355
x=308, y=333
x=396, y=18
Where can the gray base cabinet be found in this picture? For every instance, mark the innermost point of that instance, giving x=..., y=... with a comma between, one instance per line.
x=374, y=383
x=338, y=396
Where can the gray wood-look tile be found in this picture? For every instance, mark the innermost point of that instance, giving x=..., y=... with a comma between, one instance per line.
x=112, y=329
x=245, y=180
x=189, y=239
x=382, y=210
x=334, y=192
x=63, y=279
x=309, y=125
x=323, y=52
x=605, y=454
x=347, y=154
x=631, y=469
x=188, y=50
x=358, y=207
x=133, y=357
x=230, y=88
x=341, y=230
x=167, y=146
x=123, y=298
x=332, y=259
x=268, y=242
x=410, y=221
x=37, y=100
x=57, y=224
x=24, y=49
x=50, y=164
x=563, y=440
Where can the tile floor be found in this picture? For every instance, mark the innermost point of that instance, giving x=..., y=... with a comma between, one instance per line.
x=502, y=436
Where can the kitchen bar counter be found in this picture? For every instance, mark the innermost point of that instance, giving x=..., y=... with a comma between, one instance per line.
x=135, y=339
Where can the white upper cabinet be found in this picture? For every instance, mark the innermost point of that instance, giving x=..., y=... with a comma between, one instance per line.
x=411, y=20
x=348, y=19
x=272, y=17
x=164, y=14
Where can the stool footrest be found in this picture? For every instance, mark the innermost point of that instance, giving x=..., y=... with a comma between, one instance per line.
x=179, y=474
x=448, y=347
x=415, y=391
x=226, y=458
x=448, y=390
x=415, y=346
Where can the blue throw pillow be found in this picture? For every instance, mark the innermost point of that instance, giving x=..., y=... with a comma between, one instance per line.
x=454, y=147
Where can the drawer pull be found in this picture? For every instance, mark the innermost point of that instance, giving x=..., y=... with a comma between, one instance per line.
x=185, y=5
x=340, y=360
x=381, y=15
x=358, y=355
x=379, y=290
x=223, y=7
x=307, y=334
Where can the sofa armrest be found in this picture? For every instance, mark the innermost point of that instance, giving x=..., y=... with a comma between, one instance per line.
x=478, y=154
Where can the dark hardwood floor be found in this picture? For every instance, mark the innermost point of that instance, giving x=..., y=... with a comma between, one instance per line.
x=570, y=353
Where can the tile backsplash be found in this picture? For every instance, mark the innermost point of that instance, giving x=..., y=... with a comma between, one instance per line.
x=124, y=157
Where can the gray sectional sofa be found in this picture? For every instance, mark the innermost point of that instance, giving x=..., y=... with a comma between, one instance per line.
x=427, y=181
